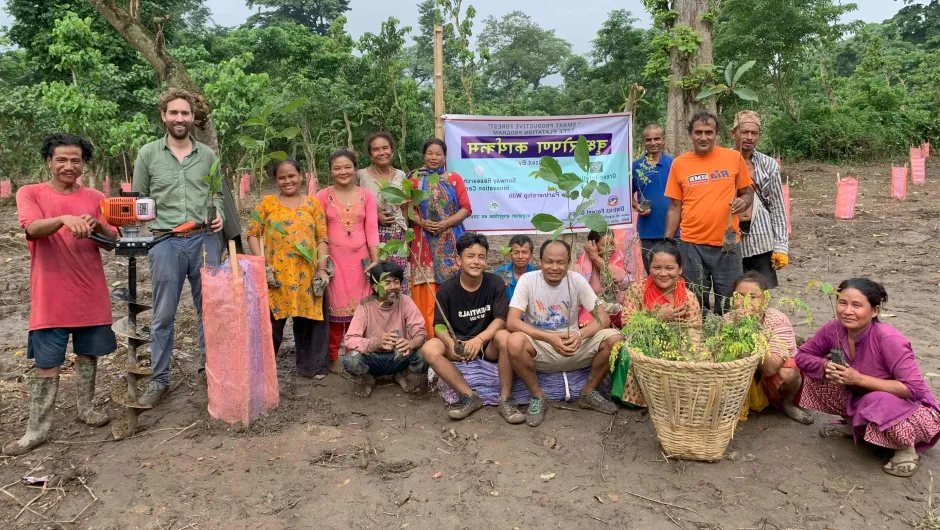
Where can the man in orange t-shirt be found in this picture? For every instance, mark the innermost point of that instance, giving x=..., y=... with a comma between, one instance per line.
x=707, y=186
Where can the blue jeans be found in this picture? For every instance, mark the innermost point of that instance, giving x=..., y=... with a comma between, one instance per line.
x=379, y=364
x=171, y=262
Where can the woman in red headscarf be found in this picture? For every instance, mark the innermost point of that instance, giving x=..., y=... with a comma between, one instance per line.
x=665, y=292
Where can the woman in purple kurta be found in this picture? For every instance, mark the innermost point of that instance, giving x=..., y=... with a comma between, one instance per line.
x=879, y=389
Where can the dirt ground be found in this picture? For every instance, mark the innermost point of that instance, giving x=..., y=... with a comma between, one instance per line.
x=327, y=459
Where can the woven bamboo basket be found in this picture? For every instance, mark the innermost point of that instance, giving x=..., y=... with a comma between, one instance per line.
x=694, y=405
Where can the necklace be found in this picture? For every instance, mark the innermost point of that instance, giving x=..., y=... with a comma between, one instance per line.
x=375, y=172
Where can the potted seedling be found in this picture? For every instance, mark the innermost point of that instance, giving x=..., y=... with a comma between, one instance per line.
x=836, y=355
x=573, y=188
x=408, y=196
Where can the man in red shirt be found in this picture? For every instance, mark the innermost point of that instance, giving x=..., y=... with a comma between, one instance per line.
x=68, y=289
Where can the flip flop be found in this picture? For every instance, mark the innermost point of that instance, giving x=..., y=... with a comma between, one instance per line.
x=893, y=467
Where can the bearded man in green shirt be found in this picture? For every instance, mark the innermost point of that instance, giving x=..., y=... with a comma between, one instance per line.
x=170, y=171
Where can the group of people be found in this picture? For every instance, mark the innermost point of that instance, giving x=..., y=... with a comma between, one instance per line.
x=439, y=306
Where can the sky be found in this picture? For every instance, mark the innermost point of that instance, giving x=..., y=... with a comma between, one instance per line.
x=576, y=22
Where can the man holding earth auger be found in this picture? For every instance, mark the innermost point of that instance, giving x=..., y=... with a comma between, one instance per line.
x=171, y=171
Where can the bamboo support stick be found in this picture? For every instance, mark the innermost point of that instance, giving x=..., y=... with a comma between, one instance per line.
x=439, y=81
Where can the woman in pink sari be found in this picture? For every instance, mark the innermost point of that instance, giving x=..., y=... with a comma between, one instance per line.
x=602, y=265
x=353, y=232
x=865, y=371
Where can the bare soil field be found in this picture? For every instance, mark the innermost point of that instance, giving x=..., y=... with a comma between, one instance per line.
x=328, y=459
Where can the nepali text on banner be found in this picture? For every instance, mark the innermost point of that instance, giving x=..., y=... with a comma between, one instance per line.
x=497, y=155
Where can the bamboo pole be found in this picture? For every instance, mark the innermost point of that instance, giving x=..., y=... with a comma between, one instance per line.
x=439, y=81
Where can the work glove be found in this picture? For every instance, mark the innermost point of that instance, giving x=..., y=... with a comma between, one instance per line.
x=779, y=260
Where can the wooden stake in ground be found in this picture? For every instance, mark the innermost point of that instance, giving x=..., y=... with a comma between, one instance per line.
x=438, y=81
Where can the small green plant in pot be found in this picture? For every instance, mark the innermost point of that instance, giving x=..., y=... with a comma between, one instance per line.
x=831, y=292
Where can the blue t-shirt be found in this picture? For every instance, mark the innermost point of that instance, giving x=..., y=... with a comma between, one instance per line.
x=511, y=286
x=653, y=226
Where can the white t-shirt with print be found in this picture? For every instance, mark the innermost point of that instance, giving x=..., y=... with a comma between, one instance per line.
x=549, y=308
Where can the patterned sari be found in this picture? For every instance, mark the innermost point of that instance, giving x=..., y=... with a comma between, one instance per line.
x=437, y=254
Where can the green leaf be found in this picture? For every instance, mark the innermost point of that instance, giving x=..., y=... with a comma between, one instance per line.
x=440, y=329
x=434, y=179
x=207, y=179
x=214, y=168
x=255, y=121
x=505, y=251
x=279, y=227
x=278, y=155
x=557, y=232
x=546, y=222
x=595, y=222
x=549, y=169
x=409, y=235
x=708, y=92
x=603, y=188
x=407, y=186
x=583, y=207
x=573, y=195
x=393, y=195
x=290, y=132
x=248, y=142
x=419, y=196
x=256, y=217
x=741, y=71
x=588, y=189
x=728, y=71
x=746, y=93
x=306, y=252
x=568, y=181
x=581, y=154
x=293, y=105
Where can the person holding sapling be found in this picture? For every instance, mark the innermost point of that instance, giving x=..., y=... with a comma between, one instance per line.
x=708, y=187
x=520, y=262
x=472, y=306
x=172, y=171
x=440, y=218
x=871, y=379
x=68, y=291
x=666, y=295
x=353, y=231
x=289, y=230
x=548, y=339
x=380, y=147
x=650, y=174
x=779, y=376
x=386, y=334
x=764, y=238
x=601, y=264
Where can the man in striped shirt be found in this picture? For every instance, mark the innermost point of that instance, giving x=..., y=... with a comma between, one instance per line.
x=764, y=241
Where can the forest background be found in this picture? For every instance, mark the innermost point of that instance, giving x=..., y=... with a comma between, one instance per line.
x=827, y=89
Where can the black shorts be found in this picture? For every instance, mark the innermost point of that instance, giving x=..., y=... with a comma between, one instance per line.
x=763, y=265
x=47, y=346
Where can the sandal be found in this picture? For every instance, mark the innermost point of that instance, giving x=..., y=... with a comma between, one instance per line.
x=905, y=467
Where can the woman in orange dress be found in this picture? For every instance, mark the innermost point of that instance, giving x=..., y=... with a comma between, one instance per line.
x=284, y=224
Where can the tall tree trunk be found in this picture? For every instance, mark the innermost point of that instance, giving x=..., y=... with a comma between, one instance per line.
x=169, y=70
x=681, y=105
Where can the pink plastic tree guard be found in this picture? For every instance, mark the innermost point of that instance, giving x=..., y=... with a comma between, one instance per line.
x=925, y=150
x=311, y=184
x=240, y=369
x=918, y=171
x=106, y=186
x=899, y=182
x=916, y=152
x=845, y=198
x=125, y=186
x=786, y=204
x=6, y=189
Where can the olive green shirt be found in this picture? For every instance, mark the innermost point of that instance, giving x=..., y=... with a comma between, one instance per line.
x=177, y=188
